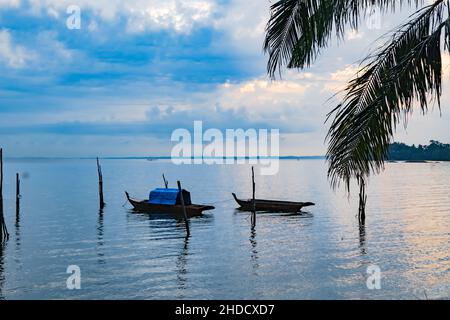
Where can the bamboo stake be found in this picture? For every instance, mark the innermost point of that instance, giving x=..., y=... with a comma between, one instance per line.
x=166, y=183
x=253, y=200
x=1, y=195
x=362, y=200
x=4, y=235
x=17, y=195
x=186, y=222
x=100, y=184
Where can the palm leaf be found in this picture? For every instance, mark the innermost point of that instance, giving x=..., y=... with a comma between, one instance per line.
x=298, y=29
x=407, y=69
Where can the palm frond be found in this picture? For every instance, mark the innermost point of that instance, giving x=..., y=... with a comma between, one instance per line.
x=298, y=29
x=284, y=30
x=407, y=69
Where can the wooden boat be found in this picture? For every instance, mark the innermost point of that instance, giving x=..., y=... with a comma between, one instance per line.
x=271, y=205
x=174, y=208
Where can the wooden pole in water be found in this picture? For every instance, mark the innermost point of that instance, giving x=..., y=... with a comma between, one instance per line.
x=362, y=200
x=17, y=195
x=253, y=199
x=1, y=195
x=4, y=235
x=166, y=183
x=186, y=222
x=100, y=184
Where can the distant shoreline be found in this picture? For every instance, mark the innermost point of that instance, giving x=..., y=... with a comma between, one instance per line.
x=435, y=151
x=150, y=159
x=165, y=158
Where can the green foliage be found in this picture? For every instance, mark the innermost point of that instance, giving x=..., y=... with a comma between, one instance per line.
x=435, y=151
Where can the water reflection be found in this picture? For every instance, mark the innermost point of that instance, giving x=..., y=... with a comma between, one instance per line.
x=161, y=225
x=17, y=230
x=254, y=251
x=409, y=236
x=161, y=221
x=181, y=265
x=100, y=241
x=2, y=277
x=18, y=242
x=166, y=227
x=362, y=238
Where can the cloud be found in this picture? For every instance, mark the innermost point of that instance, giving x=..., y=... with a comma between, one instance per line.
x=337, y=81
x=9, y=3
x=139, y=15
x=180, y=16
x=11, y=54
x=279, y=103
x=42, y=51
x=139, y=69
x=354, y=35
x=244, y=23
x=290, y=105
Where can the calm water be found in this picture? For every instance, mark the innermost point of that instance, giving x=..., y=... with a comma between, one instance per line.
x=322, y=254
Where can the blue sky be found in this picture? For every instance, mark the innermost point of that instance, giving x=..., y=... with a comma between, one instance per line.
x=136, y=70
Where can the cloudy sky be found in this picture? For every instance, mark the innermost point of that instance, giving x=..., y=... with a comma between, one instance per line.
x=136, y=70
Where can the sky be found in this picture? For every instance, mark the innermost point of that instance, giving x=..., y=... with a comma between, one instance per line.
x=136, y=70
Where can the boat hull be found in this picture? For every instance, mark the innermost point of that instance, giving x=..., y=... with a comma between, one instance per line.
x=271, y=205
x=192, y=210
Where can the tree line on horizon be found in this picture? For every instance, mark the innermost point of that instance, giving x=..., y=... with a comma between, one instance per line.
x=435, y=151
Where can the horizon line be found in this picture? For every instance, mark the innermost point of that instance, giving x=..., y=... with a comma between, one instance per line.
x=156, y=157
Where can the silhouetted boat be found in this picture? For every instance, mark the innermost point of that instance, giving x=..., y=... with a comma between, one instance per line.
x=271, y=205
x=168, y=201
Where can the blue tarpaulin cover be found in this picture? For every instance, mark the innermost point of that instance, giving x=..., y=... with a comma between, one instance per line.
x=163, y=196
x=168, y=196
